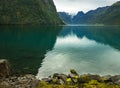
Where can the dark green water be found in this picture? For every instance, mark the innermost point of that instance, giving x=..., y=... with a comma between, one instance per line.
x=25, y=47
x=47, y=50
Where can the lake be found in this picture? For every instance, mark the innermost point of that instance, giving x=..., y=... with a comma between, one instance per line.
x=47, y=50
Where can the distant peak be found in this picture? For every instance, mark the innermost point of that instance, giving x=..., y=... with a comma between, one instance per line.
x=80, y=13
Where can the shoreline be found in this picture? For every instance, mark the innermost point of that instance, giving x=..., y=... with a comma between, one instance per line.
x=57, y=80
x=72, y=80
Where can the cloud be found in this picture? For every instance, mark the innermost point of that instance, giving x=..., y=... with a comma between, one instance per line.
x=73, y=6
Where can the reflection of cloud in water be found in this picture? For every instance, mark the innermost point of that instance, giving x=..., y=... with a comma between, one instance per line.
x=81, y=54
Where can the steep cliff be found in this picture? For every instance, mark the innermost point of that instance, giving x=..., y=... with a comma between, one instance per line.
x=28, y=12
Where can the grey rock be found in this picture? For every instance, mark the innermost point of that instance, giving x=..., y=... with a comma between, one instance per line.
x=71, y=75
x=117, y=82
x=26, y=81
x=95, y=77
x=60, y=81
x=88, y=77
x=114, y=79
x=63, y=77
x=47, y=79
x=107, y=77
x=72, y=71
x=4, y=68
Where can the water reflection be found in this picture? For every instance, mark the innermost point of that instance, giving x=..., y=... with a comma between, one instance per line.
x=85, y=50
x=109, y=35
x=25, y=46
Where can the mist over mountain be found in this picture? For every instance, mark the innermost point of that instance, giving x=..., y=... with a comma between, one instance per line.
x=66, y=17
x=101, y=15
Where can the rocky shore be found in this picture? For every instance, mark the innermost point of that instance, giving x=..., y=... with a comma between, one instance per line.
x=57, y=80
x=74, y=80
x=25, y=81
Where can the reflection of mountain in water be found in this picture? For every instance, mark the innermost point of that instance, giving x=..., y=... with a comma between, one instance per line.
x=109, y=35
x=82, y=49
x=25, y=47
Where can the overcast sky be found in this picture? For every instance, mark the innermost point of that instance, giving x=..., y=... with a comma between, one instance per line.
x=73, y=6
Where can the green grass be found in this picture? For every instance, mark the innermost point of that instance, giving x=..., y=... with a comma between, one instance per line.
x=91, y=84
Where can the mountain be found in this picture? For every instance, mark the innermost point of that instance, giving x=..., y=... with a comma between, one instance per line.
x=28, y=12
x=78, y=16
x=91, y=16
x=111, y=15
x=66, y=17
x=101, y=15
x=81, y=17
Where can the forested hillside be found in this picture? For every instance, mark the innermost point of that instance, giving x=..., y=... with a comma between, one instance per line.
x=28, y=12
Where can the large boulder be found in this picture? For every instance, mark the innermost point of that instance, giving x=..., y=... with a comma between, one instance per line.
x=114, y=79
x=88, y=77
x=4, y=68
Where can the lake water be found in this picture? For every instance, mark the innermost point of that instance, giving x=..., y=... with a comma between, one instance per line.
x=47, y=50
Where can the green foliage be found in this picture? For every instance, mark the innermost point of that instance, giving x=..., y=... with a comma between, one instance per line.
x=28, y=12
x=96, y=84
x=91, y=84
x=85, y=78
x=43, y=84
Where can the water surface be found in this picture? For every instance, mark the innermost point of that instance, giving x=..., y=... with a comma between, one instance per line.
x=94, y=50
x=25, y=46
x=48, y=50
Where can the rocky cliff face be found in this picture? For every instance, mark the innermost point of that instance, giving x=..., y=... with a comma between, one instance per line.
x=28, y=12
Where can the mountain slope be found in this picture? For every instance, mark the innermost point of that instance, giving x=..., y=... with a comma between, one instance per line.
x=79, y=15
x=101, y=15
x=28, y=12
x=83, y=18
x=67, y=18
x=112, y=14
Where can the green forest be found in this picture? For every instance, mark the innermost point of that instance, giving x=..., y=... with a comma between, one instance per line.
x=28, y=12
